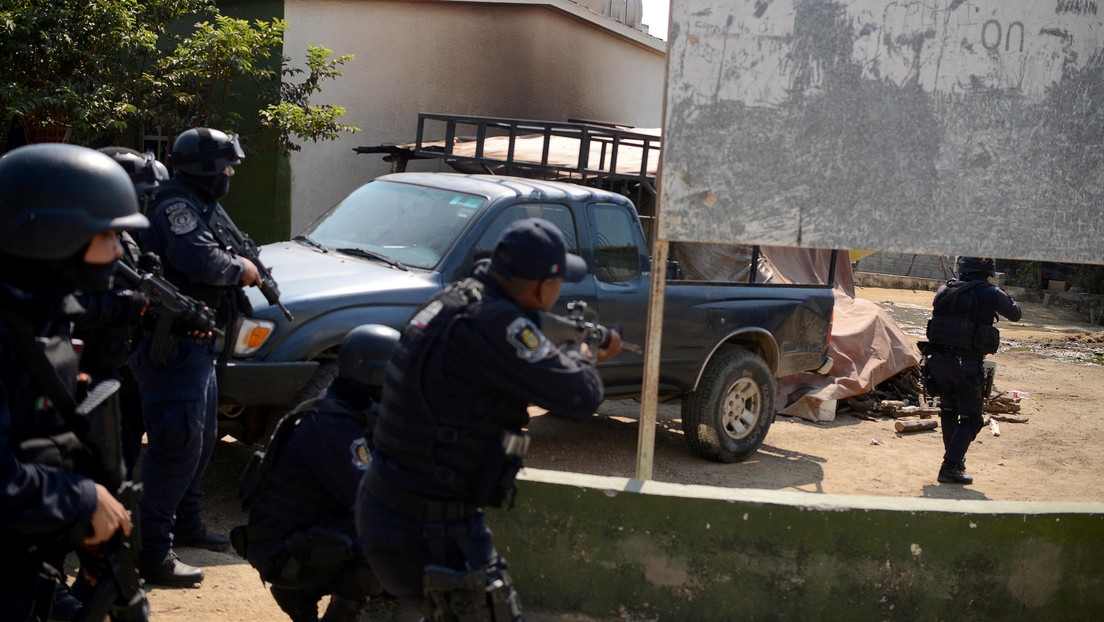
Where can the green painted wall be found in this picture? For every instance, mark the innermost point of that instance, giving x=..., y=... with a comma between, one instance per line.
x=612, y=548
x=260, y=193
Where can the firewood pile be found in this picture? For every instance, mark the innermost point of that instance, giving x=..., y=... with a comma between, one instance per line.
x=903, y=396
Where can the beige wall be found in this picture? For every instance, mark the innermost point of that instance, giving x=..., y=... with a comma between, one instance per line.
x=525, y=59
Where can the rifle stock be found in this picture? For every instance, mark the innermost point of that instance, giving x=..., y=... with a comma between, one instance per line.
x=118, y=592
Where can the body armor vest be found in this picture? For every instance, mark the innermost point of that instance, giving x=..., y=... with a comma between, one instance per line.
x=466, y=457
x=955, y=323
x=274, y=500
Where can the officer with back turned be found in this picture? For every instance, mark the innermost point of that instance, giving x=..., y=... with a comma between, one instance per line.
x=960, y=335
x=60, y=209
x=300, y=492
x=449, y=438
x=177, y=379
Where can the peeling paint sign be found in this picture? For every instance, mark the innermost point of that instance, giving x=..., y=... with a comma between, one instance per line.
x=946, y=126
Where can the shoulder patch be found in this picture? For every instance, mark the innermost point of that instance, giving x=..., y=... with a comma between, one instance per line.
x=528, y=340
x=182, y=218
x=361, y=457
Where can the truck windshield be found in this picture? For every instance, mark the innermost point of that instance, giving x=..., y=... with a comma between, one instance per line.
x=409, y=224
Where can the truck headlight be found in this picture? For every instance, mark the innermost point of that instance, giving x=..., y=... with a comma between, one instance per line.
x=252, y=335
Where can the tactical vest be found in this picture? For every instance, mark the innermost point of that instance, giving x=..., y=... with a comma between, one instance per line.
x=277, y=499
x=227, y=301
x=955, y=323
x=467, y=456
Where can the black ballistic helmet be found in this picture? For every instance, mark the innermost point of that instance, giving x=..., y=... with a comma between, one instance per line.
x=363, y=355
x=204, y=152
x=976, y=265
x=55, y=197
x=145, y=171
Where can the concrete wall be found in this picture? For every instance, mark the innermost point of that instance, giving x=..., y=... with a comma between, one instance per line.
x=522, y=58
x=943, y=127
x=907, y=264
x=614, y=548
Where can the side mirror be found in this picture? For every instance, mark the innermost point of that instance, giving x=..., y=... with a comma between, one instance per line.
x=674, y=270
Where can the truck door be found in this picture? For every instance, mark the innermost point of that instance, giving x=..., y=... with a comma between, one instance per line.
x=619, y=263
x=558, y=214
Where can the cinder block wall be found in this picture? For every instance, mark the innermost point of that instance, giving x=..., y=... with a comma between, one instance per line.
x=906, y=264
x=620, y=549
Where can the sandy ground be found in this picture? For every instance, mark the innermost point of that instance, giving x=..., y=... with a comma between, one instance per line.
x=1052, y=355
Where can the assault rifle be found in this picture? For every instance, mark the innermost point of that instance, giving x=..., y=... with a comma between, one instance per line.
x=118, y=592
x=575, y=327
x=171, y=305
x=239, y=243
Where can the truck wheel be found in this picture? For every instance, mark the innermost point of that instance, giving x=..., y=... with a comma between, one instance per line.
x=727, y=418
x=318, y=382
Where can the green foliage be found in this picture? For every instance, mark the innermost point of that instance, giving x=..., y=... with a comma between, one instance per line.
x=113, y=66
x=1026, y=274
x=1090, y=277
x=295, y=110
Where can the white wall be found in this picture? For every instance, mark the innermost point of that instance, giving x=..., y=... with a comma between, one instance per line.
x=549, y=60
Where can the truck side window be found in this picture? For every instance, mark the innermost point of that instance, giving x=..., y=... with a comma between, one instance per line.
x=616, y=253
x=555, y=213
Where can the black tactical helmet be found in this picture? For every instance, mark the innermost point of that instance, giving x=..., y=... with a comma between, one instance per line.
x=975, y=265
x=55, y=197
x=204, y=152
x=364, y=353
x=145, y=171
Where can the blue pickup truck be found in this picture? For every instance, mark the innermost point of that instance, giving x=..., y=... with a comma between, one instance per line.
x=390, y=244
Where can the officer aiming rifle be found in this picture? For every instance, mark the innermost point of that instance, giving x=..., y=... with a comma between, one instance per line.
x=575, y=327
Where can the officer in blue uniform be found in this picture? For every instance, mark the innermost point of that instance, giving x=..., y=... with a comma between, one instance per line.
x=960, y=334
x=300, y=492
x=60, y=209
x=449, y=439
x=179, y=394
x=111, y=335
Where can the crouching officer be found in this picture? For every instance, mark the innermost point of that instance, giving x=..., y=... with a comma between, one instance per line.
x=449, y=438
x=60, y=209
x=300, y=491
x=960, y=335
x=176, y=372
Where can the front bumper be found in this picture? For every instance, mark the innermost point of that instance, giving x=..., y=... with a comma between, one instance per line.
x=256, y=383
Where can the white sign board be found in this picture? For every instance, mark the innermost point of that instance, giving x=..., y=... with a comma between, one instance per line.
x=944, y=126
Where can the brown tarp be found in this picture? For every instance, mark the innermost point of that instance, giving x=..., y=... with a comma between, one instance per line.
x=867, y=345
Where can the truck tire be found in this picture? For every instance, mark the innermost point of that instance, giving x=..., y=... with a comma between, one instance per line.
x=318, y=382
x=728, y=416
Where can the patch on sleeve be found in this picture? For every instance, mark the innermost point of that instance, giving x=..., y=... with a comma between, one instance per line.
x=530, y=343
x=359, y=450
x=182, y=218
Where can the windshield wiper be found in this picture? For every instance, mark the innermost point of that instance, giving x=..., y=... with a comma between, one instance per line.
x=308, y=241
x=360, y=252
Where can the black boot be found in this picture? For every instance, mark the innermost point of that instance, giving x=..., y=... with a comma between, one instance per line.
x=300, y=605
x=342, y=610
x=954, y=475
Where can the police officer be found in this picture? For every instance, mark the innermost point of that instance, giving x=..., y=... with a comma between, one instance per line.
x=960, y=334
x=179, y=392
x=112, y=332
x=301, y=490
x=449, y=436
x=60, y=209
x=108, y=329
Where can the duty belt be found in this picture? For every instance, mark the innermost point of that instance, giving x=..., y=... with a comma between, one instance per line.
x=415, y=506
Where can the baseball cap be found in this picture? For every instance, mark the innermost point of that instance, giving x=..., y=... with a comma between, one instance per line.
x=535, y=249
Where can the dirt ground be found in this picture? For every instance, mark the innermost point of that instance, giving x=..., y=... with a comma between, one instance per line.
x=1052, y=355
